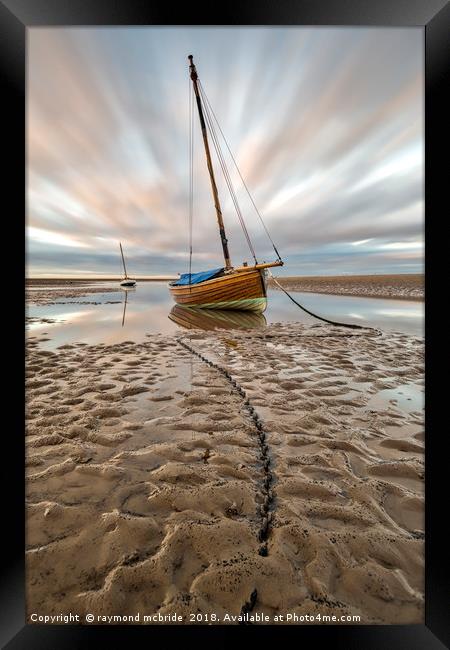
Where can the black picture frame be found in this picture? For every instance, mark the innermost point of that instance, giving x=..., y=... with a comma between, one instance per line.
x=434, y=16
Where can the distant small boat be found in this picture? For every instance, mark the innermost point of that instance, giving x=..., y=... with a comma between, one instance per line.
x=229, y=287
x=126, y=282
x=212, y=319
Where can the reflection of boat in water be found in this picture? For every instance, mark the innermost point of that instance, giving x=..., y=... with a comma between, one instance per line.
x=126, y=290
x=211, y=319
x=229, y=287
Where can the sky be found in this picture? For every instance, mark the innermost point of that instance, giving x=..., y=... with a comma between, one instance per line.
x=326, y=126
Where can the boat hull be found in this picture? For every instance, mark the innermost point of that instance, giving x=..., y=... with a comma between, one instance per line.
x=242, y=291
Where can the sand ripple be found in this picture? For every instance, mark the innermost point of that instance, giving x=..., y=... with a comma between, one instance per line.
x=144, y=475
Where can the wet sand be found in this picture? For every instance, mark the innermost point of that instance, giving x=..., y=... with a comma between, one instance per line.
x=53, y=292
x=290, y=470
x=401, y=286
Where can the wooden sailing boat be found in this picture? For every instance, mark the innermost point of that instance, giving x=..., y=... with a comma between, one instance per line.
x=241, y=287
x=126, y=282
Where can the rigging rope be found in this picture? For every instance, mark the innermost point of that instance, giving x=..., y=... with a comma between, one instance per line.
x=208, y=105
x=226, y=173
x=326, y=320
x=228, y=180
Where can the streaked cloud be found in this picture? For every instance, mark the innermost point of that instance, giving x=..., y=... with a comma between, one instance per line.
x=402, y=245
x=361, y=242
x=325, y=123
x=52, y=237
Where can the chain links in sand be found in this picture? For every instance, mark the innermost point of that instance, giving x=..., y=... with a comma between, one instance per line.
x=266, y=487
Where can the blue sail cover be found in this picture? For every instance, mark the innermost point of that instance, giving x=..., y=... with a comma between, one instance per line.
x=195, y=278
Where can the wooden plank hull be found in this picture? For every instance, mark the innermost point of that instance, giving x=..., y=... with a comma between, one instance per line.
x=238, y=291
x=212, y=319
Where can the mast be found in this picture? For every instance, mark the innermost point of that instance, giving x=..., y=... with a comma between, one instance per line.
x=123, y=261
x=215, y=193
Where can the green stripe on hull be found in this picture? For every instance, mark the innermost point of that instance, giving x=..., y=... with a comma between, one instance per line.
x=245, y=304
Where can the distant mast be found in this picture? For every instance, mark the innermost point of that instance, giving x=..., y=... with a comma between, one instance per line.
x=215, y=193
x=123, y=261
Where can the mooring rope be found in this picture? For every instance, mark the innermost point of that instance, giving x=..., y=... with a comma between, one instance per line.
x=266, y=488
x=325, y=320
